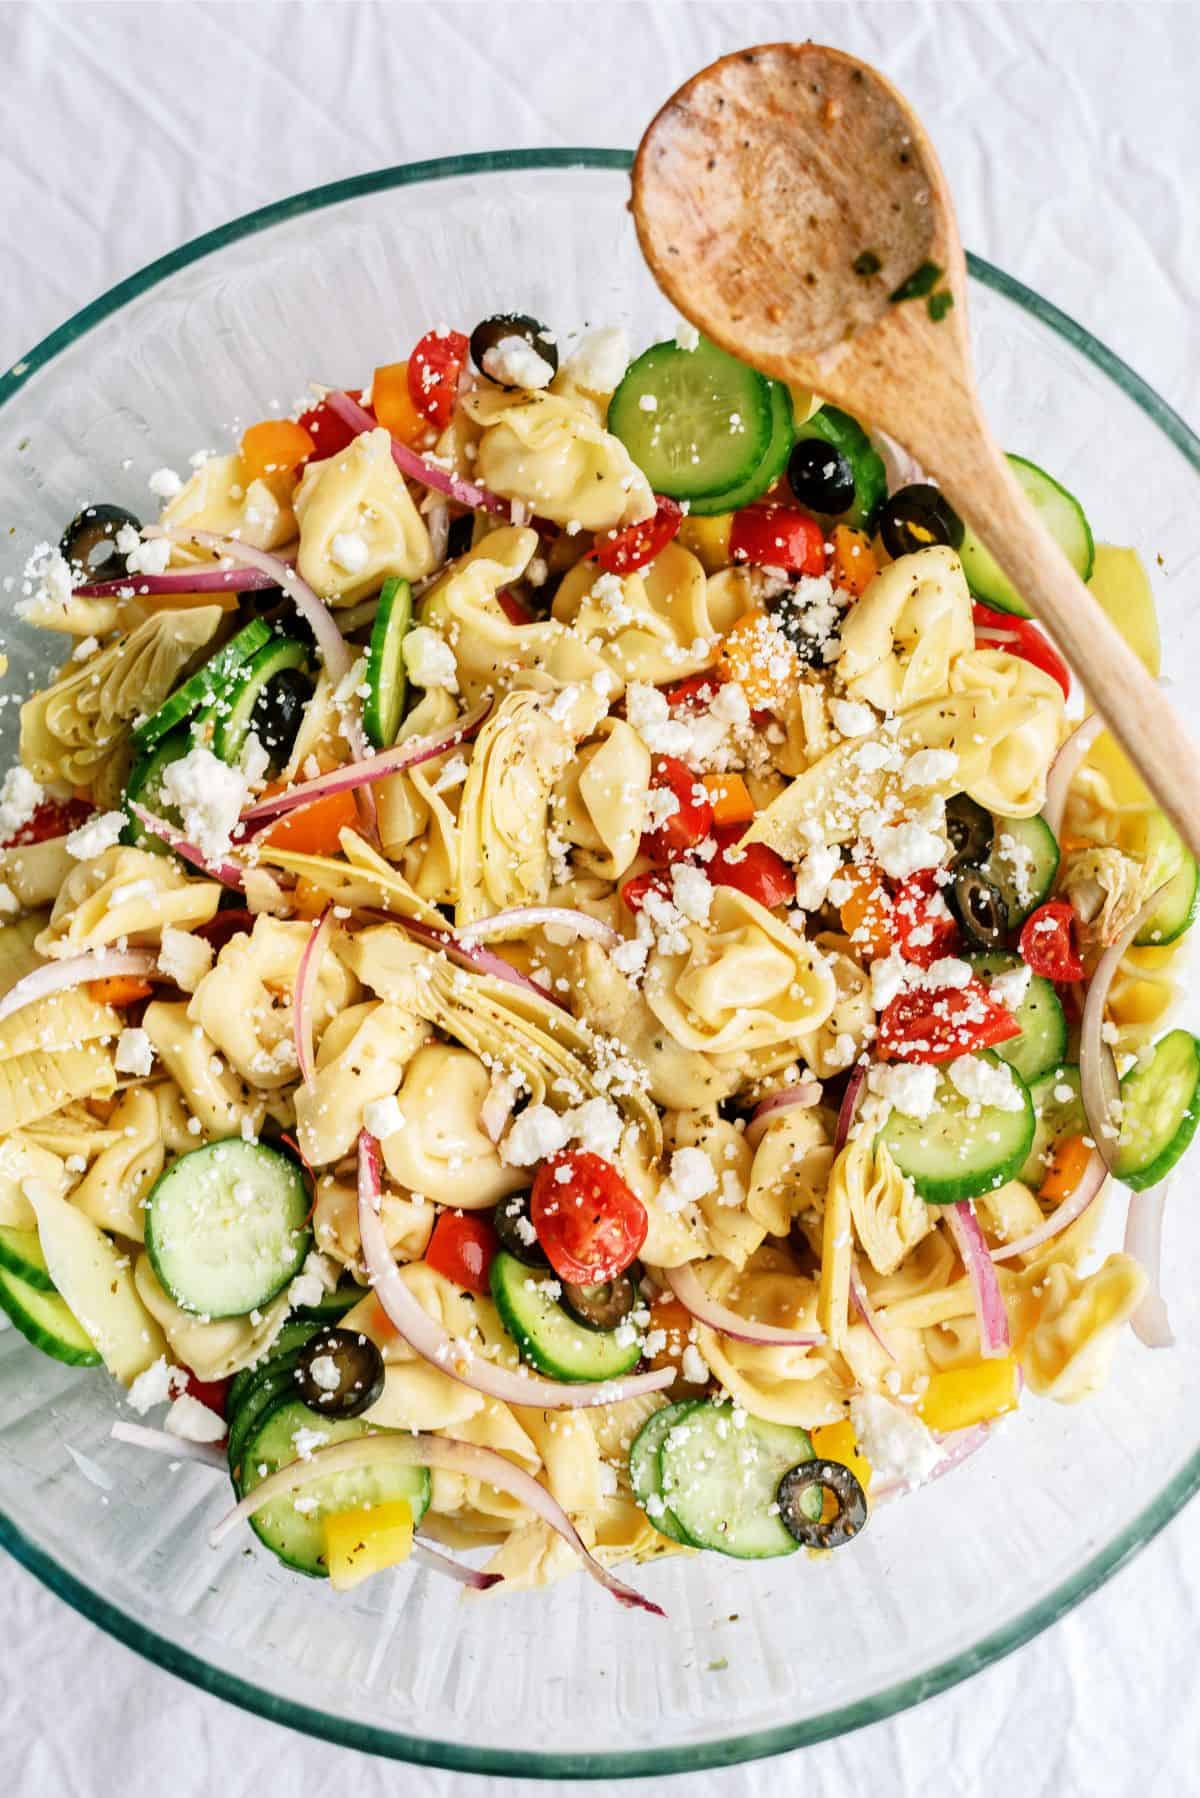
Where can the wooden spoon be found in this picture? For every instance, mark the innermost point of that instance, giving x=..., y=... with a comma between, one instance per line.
x=781, y=198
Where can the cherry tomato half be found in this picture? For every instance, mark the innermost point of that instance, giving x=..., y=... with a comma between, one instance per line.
x=778, y=537
x=634, y=891
x=753, y=869
x=53, y=818
x=591, y=1224
x=692, y=820
x=620, y=552
x=940, y=1026
x=462, y=1248
x=328, y=432
x=433, y=371
x=1021, y=638
x=695, y=693
x=922, y=923
x=1049, y=942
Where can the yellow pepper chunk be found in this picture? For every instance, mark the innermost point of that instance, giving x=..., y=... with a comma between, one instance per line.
x=708, y=540
x=836, y=1442
x=958, y=1397
x=360, y=1543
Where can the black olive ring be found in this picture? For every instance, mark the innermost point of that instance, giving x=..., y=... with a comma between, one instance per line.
x=828, y=1476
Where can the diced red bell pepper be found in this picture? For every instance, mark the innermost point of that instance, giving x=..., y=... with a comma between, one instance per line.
x=329, y=432
x=53, y=818
x=633, y=546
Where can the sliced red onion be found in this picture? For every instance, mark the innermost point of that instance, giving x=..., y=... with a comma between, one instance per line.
x=972, y=1245
x=528, y=917
x=1063, y=769
x=209, y=1454
x=901, y=469
x=866, y=1310
x=473, y=1577
x=76, y=970
x=1092, y=1179
x=1099, y=1087
x=422, y=1450
x=372, y=768
x=1143, y=1240
x=417, y=468
x=230, y=874
x=696, y=1301
x=849, y=1106
x=306, y=992
x=498, y=1104
x=805, y=1093
x=480, y=961
x=200, y=580
x=427, y=1338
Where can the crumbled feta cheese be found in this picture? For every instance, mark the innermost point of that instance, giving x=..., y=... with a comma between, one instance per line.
x=596, y=1125
x=164, y=483
x=193, y=1421
x=692, y=892
x=986, y=1083
x=889, y=975
x=693, y=1366
x=816, y=871
x=48, y=580
x=908, y=1087
x=150, y=557
x=86, y=647
x=893, y=1439
x=600, y=360
x=687, y=337
x=429, y=659
x=929, y=767
x=323, y=1371
x=255, y=760
x=535, y=1135
x=515, y=363
x=350, y=551
x=209, y=796
x=96, y=835
x=661, y=804
x=691, y=1177
x=134, y=1054
x=1010, y=987
x=184, y=958
x=158, y=1383
x=306, y=1289
x=10, y=905
x=904, y=849
x=383, y=1117
x=20, y=796
x=948, y=970
x=852, y=718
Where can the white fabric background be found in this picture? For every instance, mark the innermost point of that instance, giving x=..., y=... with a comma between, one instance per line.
x=1072, y=140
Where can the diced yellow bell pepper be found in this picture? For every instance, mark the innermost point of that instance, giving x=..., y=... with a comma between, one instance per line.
x=360, y=1543
x=836, y=1442
x=958, y=1397
x=708, y=540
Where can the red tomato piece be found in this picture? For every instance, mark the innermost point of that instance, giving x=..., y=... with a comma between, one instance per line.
x=1049, y=942
x=462, y=1247
x=941, y=1025
x=778, y=537
x=53, y=818
x=634, y=891
x=433, y=371
x=695, y=693
x=922, y=923
x=328, y=432
x=620, y=552
x=690, y=823
x=1021, y=638
x=212, y=1393
x=514, y=609
x=753, y=869
x=590, y=1224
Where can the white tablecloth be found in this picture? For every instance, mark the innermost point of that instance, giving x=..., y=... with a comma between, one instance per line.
x=1070, y=134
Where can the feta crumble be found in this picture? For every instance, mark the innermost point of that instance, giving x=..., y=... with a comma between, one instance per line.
x=96, y=835
x=515, y=363
x=134, y=1053
x=893, y=1439
x=193, y=1421
x=209, y=795
x=986, y=1083
x=429, y=659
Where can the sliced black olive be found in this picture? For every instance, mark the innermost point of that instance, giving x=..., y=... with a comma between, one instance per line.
x=916, y=516
x=339, y=1373
x=278, y=711
x=822, y=1476
x=979, y=908
x=820, y=476
x=512, y=1225
x=458, y=537
x=971, y=829
x=492, y=331
x=88, y=541
x=603, y=1307
x=803, y=627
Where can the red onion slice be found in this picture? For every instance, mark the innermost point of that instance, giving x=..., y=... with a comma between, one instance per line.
x=1092, y=1179
x=479, y=961
x=422, y=1450
x=1098, y=1085
x=849, y=1106
x=306, y=992
x=426, y=1337
x=209, y=1454
x=695, y=1300
x=76, y=970
x=528, y=917
x=417, y=468
x=472, y=1577
x=230, y=874
x=806, y=1093
x=1064, y=767
x=972, y=1245
x=202, y=580
x=866, y=1310
x=1143, y=1240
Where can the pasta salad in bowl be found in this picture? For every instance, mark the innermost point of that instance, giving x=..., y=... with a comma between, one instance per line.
x=578, y=977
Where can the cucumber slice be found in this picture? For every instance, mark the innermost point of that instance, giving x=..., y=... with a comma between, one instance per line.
x=1168, y=859
x=44, y=1320
x=768, y=471
x=547, y=1337
x=296, y=1537
x=720, y=1481
x=206, y=685
x=294, y=1334
x=273, y=1383
x=387, y=681
x=645, y=1466
x=1058, y=1112
x=1160, y=1104
x=1063, y=517
x=951, y=1155
x=834, y=426
x=226, y=1227
x=21, y=1254
x=333, y=1304
x=1042, y=1044
x=144, y=787
x=1022, y=865
x=231, y=712
x=706, y=423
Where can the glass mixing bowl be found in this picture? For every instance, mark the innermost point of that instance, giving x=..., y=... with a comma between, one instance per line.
x=753, y=1660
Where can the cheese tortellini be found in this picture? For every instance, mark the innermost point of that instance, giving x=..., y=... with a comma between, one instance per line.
x=600, y=802
x=1067, y=1324
x=217, y=499
x=899, y=638
x=362, y=1058
x=358, y=522
x=660, y=623
x=439, y=1149
x=552, y=456
x=128, y=894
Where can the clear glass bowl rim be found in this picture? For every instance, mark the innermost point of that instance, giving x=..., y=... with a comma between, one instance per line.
x=733, y=1749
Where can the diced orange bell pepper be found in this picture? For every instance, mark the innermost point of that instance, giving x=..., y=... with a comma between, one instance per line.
x=677, y=1323
x=308, y=899
x=392, y=403
x=729, y=797
x=865, y=914
x=853, y=567
x=837, y=1442
x=119, y=989
x=958, y=1397
x=273, y=451
x=1068, y=1159
x=362, y=1542
x=759, y=657
x=313, y=829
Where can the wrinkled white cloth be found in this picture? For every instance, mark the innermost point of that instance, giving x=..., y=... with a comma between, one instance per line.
x=1070, y=135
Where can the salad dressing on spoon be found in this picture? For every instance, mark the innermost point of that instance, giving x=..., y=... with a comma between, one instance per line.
x=790, y=204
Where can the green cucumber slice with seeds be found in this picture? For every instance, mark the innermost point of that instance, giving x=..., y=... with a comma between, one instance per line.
x=387, y=681
x=838, y=428
x=645, y=1466
x=1168, y=860
x=952, y=1155
x=294, y=1334
x=1160, y=1106
x=705, y=423
x=720, y=1479
x=296, y=1536
x=144, y=788
x=1058, y=1113
x=768, y=471
x=547, y=1336
x=21, y=1254
x=226, y=1227
x=44, y=1320
x=209, y=683
x=1042, y=1043
x=231, y=712
x=1063, y=517
x=1022, y=865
